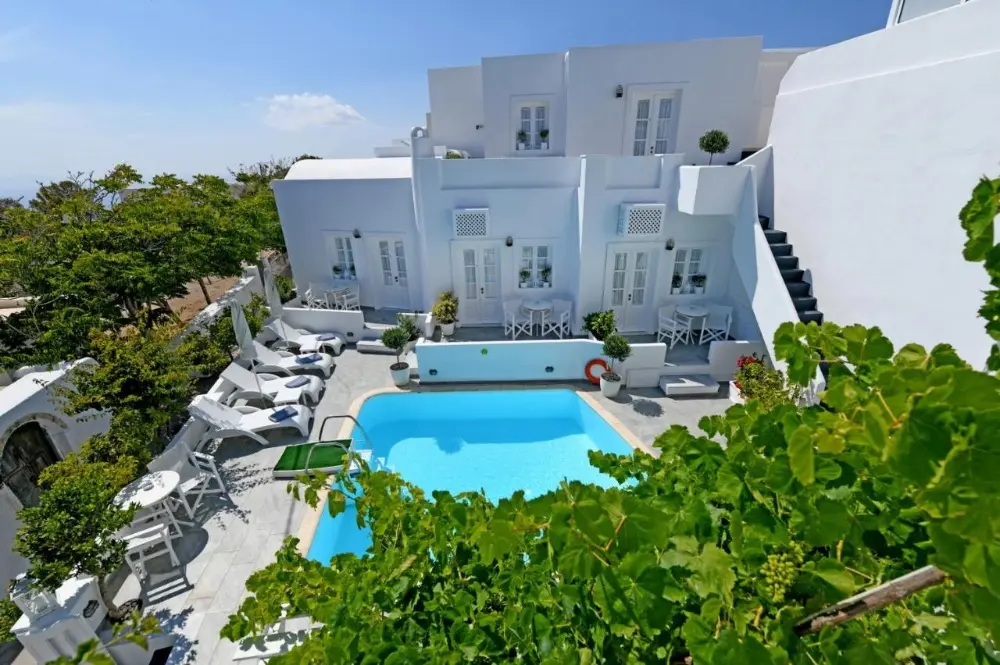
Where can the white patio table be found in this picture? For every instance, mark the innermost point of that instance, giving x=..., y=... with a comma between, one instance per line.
x=540, y=307
x=152, y=490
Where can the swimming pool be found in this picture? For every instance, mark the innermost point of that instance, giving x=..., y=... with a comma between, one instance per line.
x=498, y=441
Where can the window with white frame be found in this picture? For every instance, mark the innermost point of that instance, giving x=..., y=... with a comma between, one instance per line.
x=910, y=9
x=690, y=272
x=343, y=259
x=535, y=271
x=532, y=128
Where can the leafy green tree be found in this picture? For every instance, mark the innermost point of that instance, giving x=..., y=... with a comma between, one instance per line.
x=714, y=142
x=706, y=553
x=72, y=529
x=257, y=197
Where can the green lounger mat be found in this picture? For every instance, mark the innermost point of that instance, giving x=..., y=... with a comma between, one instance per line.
x=326, y=458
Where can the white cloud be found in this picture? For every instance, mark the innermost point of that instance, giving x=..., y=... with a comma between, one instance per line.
x=291, y=113
x=14, y=44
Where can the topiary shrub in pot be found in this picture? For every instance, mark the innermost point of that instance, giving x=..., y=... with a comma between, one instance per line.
x=397, y=339
x=714, y=142
x=445, y=312
x=617, y=349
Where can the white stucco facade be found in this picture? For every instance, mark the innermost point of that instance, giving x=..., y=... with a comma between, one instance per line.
x=877, y=144
x=591, y=99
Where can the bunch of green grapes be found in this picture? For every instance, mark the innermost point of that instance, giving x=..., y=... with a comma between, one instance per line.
x=780, y=571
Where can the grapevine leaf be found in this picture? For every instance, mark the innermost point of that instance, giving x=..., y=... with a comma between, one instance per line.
x=833, y=573
x=713, y=573
x=800, y=455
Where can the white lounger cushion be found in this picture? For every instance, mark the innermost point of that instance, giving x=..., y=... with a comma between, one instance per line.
x=246, y=421
x=271, y=387
x=305, y=341
x=283, y=362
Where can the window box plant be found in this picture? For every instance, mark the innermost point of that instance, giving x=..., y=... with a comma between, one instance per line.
x=698, y=283
x=617, y=349
x=445, y=312
x=600, y=325
x=525, y=277
x=676, y=284
x=397, y=339
x=544, y=136
x=522, y=140
x=352, y=273
x=546, y=275
x=338, y=270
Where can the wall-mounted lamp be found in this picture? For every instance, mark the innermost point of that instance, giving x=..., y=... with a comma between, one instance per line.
x=357, y=234
x=479, y=126
x=619, y=91
x=509, y=241
x=670, y=244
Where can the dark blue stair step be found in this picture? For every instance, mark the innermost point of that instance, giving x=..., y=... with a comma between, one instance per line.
x=793, y=275
x=775, y=236
x=787, y=262
x=781, y=249
x=811, y=316
x=798, y=288
x=764, y=220
x=804, y=303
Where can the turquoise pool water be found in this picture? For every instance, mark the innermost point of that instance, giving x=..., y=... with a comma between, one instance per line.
x=497, y=441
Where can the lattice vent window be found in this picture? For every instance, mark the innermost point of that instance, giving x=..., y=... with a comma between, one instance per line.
x=640, y=219
x=472, y=223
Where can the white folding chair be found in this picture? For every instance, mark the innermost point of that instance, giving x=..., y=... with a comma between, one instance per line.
x=515, y=319
x=557, y=321
x=347, y=298
x=199, y=475
x=671, y=327
x=146, y=541
x=316, y=297
x=716, y=325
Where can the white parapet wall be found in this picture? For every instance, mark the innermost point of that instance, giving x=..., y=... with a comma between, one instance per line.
x=350, y=324
x=710, y=190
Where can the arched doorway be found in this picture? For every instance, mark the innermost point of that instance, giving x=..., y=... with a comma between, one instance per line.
x=27, y=452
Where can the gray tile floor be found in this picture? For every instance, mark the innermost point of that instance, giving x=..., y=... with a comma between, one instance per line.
x=237, y=535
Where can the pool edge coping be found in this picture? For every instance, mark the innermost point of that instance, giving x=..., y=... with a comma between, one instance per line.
x=310, y=521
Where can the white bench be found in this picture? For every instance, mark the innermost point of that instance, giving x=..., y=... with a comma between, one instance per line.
x=688, y=384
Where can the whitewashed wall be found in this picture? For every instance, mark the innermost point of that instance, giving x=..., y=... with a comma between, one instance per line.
x=456, y=97
x=512, y=80
x=878, y=142
x=773, y=66
x=715, y=78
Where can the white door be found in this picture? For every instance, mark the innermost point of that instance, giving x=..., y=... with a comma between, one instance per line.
x=393, y=277
x=477, y=283
x=627, y=287
x=651, y=128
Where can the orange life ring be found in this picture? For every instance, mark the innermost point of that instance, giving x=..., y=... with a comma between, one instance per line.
x=596, y=362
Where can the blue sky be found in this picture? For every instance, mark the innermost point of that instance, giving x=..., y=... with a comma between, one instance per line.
x=190, y=86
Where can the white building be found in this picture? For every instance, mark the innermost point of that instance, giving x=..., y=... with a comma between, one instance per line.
x=875, y=144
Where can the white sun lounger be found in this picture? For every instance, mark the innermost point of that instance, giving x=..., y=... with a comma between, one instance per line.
x=305, y=341
x=284, y=362
x=271, y=387
x=227, y=421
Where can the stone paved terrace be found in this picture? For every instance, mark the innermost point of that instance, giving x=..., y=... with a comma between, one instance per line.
x=239, y=536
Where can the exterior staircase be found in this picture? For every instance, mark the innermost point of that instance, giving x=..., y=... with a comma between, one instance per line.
x=788, y=264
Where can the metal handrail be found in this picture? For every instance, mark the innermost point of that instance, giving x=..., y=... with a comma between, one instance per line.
x=337, y=443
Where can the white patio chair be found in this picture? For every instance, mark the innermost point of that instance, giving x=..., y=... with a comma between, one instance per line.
x=349, y=299
x=199, y=475
x=316, y=297
x=277, y=361
x=557, y=321
x=303, y=341
x=275, y=389
x=226, y=421
x=672, y=328
x=716, y=325
x=147, y=541
x=515, y=319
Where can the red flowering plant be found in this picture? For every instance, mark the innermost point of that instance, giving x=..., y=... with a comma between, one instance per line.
x=757, y=381
x=745, y=361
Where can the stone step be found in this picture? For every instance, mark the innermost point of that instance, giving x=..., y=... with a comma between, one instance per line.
x=774, y=236
x=764, y=221
x=787, y=262
x=811, y=316
x=804, y=303
x=781, y=249
x=688, y=384
x=792, y=275
x=798, y=288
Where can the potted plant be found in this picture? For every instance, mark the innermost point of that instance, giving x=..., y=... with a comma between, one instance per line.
x=397, y=339
x=676, y=282
x=617, y=349
x=546, y=274
x=714, y=142
x=445, y=312
x=352, y=272
x=408, y=323
x=337, y=270
x=698, y=282
x=600, y=325
x=525, y=276
x=522, y=139
x=543, y=134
